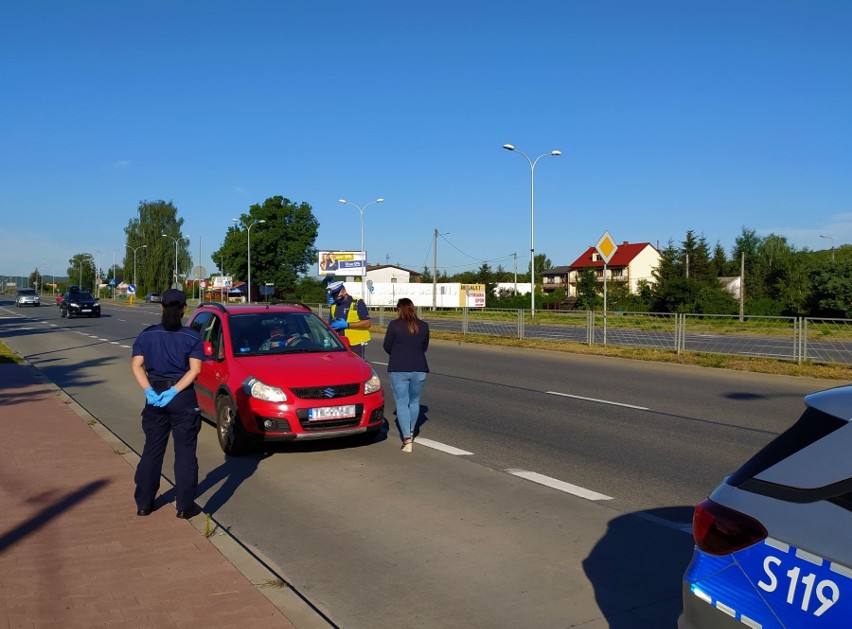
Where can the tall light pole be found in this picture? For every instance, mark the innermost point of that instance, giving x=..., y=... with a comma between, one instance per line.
x=363, y=253
x=176, y=255
x=248, y=251
x=134, y=250
x=532, y=164
x=832, y=245
x=97, y=275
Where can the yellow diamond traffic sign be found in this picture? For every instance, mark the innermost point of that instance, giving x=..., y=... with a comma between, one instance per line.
x=606, y=247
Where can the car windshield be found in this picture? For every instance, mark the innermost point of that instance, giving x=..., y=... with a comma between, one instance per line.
x=281, y=333
x=84, y=295
x=26, y=291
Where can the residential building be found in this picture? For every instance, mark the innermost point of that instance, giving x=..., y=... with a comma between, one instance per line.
x=631, y=264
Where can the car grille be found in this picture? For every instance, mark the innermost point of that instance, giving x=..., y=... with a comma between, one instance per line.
x=326, y=393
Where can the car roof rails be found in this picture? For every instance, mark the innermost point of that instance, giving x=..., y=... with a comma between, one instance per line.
x=290, y=303
x=213, y=304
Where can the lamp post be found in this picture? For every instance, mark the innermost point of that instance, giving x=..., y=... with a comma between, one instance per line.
x=363, y=253
x=832, y=245
x=248, y=251
x=176, y=255
x=532, y=164
x=97, y=275
x=134, y=250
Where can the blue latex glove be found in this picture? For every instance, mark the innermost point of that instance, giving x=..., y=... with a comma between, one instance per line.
x=330, y=299
x=151, y=396
x=339, y=324
x=166, y=396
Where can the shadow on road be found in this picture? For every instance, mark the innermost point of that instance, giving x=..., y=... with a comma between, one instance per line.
x=637, y=566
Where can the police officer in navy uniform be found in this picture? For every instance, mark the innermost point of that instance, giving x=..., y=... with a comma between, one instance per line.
x=166, y=360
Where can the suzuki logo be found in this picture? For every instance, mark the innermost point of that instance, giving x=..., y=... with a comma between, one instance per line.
x=329, y=392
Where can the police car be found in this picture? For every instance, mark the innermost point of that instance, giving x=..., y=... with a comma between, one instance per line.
x=773, y=543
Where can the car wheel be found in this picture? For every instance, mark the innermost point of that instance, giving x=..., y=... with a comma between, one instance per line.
x=232, y=438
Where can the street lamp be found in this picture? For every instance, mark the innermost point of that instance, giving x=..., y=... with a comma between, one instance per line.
x=832, y=245
x=176, y=255
x=363, y=253
x=532, y=164
x=134, y=250
x=248, y=251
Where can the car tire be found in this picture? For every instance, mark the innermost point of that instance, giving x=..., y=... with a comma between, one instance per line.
x=232, y=437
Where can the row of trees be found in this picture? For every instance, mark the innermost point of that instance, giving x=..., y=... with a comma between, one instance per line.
x=282, y=250
x=779, y=280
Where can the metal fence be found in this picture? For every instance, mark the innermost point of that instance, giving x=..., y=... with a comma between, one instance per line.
x=797, y=339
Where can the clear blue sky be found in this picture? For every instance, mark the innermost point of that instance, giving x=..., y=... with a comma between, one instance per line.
x=671, y=115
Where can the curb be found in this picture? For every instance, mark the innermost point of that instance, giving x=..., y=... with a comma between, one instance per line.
x=247, y=560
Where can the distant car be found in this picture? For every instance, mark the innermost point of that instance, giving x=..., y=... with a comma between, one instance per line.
x=79, y=303
x=153, y=298
x=27, y=297
x=280, y=373
x=772, y=542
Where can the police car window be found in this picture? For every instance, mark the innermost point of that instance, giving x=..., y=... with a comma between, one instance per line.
x=812, y=426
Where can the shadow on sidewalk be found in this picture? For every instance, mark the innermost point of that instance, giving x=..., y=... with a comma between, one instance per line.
x=231, y=473
x=49, y=513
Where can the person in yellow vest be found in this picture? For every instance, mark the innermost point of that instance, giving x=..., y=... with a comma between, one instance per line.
x=349, y=316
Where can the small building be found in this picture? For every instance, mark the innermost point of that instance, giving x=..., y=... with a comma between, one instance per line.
x=631, y=264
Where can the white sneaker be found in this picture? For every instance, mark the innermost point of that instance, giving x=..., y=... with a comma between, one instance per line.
x=408, y=447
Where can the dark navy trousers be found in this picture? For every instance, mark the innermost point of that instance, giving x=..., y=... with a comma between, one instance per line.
x=182, y=419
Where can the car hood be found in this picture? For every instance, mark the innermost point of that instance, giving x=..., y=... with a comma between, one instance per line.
x=300, y=370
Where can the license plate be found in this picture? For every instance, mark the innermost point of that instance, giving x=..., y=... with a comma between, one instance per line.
x=331, y=412
x=85, y=310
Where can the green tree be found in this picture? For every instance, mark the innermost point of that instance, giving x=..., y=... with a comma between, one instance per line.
x=282, y=248
x=747, y=243
x=158, y=228
x=587, y=291
x=719, y=264
x=426, y=276
x=81, y=270
x=832, y=289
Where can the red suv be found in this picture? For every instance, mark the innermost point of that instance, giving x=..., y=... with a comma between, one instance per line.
x=280, y=373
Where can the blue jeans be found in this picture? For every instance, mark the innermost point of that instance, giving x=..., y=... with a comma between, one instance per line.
x=407, y=387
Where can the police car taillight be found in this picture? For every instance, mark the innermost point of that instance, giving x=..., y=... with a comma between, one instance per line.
x=719, y=530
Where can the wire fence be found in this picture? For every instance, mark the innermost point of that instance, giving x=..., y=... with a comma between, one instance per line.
x=797, y=339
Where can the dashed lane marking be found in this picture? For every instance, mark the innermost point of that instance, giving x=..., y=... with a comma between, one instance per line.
x=591, y=399
x=437, y=445
x=559, y=485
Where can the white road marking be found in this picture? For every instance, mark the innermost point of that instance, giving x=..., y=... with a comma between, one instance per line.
x=591, y=399
x=553, y=483
x=436, y=445
x=125, y=346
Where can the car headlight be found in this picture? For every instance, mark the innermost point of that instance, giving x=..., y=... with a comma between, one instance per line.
x=373, y=384
x=73, y=303
x=261, y=391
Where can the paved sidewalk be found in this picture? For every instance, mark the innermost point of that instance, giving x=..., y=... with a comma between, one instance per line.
x=74, y=554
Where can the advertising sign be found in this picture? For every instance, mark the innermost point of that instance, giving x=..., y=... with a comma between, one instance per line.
x=347, y=263
x=222, y=281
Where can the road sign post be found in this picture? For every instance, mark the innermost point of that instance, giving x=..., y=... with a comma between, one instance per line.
x=606, y=248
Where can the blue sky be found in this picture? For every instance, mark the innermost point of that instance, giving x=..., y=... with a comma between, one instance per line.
x=671, y=116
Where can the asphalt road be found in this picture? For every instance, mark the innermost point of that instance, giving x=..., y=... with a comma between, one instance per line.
x=545, y=489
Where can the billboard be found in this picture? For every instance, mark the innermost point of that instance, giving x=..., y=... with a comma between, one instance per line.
x=347, y=263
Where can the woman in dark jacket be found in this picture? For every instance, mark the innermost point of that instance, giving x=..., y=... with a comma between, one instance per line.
x=406, y=342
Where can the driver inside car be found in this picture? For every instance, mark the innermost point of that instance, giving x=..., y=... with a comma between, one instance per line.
x=277, y=338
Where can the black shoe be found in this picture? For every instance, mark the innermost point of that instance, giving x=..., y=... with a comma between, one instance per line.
x=143, y=512
x=186, y=514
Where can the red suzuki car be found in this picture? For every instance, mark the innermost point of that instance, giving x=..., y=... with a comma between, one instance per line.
x=280, y=373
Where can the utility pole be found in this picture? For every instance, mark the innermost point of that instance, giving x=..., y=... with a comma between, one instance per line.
x=435, y=271
x=742, y=285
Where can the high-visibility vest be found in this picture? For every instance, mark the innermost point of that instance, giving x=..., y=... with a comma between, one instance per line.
x=356, y=337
